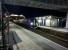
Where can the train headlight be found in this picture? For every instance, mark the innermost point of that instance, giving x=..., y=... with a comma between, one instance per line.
x=31, y=23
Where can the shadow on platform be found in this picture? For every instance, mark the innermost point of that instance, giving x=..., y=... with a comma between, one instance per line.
x=14, y=39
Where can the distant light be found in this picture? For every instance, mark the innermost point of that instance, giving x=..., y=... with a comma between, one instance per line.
x=37, y=17
x=48, y=22
x=43, y=17
x=40, y=17
x=21, y=15
x=39, y=21
x=6, y=16
x=13, y=15
x=49, y=17
x=58, y=20
x=31, y=23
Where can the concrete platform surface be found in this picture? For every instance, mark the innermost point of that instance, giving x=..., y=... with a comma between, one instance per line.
x=56, y=29
x=28, y=40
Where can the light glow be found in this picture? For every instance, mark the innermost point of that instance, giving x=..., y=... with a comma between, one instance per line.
x=21, y=15
x=14, y=15
x=39, y=21
x=6, y=16
x=31, y=23
x=43, y=17
x=48, y=22
x=49, y=17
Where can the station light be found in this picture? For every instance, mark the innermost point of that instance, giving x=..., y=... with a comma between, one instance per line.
x=58, y=20
x=43, y=17
x=31, y=23
x=39, y=21
x=49, y=17
x=14, y=15
x=48, y=22
x=37, y=17
x=21, y=15
x=6, y=16
x=40, y=17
